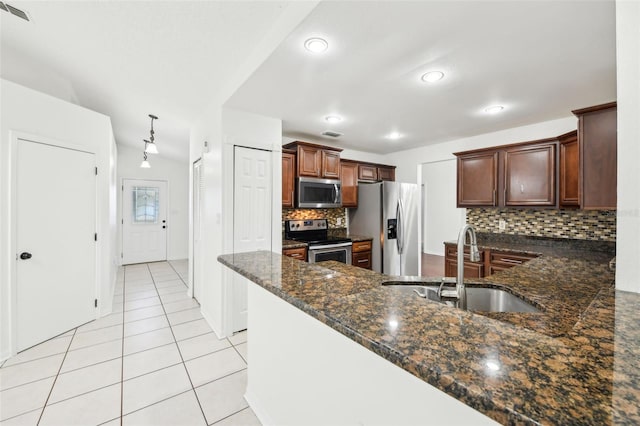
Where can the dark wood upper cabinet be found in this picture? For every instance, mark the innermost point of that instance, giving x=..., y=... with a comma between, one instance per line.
x=376, y=172
x=569, y=170
x=316, y=160
x=309, y=162
x=288, y=179
x=529, y=175
x=387, y=173
x=367, y=172
x=330, y=164
x=598, y=140
x=349, y=183
x=478, y=179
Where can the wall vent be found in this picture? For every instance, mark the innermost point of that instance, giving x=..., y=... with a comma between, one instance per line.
x=331, y=134
x=14, y=11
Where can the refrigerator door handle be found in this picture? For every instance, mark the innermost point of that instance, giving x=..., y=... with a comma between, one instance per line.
x=399, y=227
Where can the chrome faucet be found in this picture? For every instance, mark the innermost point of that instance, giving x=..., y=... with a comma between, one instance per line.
x=474, y=256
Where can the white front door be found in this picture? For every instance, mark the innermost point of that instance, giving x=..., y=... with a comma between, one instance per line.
x=251, y=219
x=198, y=187
x=144, y=221
x=55, y=240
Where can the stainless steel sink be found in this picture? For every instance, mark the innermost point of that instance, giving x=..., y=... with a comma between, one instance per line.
x=480, y=299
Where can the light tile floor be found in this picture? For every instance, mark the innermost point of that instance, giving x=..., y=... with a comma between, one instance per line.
x=153, y=361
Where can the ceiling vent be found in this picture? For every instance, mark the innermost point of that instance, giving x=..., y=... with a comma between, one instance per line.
x=331, y=134
x=14, y=11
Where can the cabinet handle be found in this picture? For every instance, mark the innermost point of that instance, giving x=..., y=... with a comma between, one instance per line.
x=363, y=260
x=515, y=261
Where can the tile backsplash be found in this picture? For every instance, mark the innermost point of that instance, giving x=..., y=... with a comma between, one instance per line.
x=599, y=225
x=333, y=215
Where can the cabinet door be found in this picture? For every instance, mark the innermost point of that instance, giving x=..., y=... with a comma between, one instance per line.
x=597, y=132
x=309, y=161
x=471, y=270
x=288, y=179
x=386, y=173
x=366, y=172
x=530, y=175
x=569, y=178
x=296, y=253
x=330, y=164
x=349, y=183
x=362, y=260
x=477, y=179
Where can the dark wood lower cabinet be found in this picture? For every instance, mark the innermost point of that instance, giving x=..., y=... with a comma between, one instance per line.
x=471, y=270
x=491, y=261
x=361, y=254
x=297, y=253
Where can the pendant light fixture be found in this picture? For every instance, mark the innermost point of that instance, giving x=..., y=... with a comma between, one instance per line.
x=149, y=145
x=145, y=164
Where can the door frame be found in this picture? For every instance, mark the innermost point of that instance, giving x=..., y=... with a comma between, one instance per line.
x=121, y=201
x=192, y=264
x=14, y=137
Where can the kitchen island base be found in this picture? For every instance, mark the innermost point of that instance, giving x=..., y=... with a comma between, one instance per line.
x=300, y=371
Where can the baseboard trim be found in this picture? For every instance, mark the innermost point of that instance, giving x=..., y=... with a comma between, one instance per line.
x=257, y=408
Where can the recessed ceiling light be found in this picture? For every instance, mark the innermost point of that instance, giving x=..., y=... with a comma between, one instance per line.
x=394, y=135
x=333, y=118
x=316, y=45
x=493, y=109
x=432, y=76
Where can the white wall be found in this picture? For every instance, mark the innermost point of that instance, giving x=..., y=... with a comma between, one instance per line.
x=441, y=217
x=332, y=380
x=25, y=110
x=176, y=173
x=224, y=128
x=628, y=79
x=407, y=162
x=217, y=187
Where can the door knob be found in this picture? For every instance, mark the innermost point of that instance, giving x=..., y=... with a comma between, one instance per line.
x=25, y=255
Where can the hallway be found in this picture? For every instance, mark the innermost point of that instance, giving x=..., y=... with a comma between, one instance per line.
x=153, y=361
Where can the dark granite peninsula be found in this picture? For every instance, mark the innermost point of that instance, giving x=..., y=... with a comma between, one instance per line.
x=574, y=362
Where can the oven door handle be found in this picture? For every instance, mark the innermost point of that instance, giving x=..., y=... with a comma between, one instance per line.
x=330, y=246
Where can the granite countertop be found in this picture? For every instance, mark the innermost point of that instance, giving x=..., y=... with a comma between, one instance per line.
x=290, y=244
x=576, y=362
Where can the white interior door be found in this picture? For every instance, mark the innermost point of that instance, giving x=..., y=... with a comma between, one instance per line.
x=55, y=241
x=198, y=187
x=144, y=221
x=251, y=219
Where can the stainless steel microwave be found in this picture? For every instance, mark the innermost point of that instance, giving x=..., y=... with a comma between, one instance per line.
x=318, y=193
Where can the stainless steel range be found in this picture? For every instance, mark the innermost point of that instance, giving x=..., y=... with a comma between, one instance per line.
x=322, y=246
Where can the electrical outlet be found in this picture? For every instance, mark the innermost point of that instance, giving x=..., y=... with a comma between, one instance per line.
x=502, y=224
x=339, y=221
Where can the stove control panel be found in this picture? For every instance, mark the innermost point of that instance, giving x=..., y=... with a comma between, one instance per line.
x=306, y=225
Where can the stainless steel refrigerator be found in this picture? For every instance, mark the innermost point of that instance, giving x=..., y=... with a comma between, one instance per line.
x=388, y=211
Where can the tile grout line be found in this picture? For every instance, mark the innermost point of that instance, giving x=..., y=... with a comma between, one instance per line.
x=56, y=378
x=182, y=358
x=230, y=415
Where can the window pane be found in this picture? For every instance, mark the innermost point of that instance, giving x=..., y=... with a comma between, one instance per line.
x=146, y=201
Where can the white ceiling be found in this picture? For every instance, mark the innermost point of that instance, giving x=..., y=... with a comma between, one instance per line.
x=539, y=59
x=127, y=59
